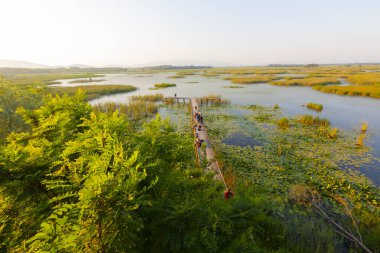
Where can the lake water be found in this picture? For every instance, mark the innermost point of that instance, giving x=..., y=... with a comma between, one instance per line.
x=343, y=111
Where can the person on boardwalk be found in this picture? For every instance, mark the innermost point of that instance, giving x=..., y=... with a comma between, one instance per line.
x=228, y=194
x=175, y=95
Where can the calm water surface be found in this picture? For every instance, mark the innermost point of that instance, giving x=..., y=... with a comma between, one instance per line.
x=342, y=111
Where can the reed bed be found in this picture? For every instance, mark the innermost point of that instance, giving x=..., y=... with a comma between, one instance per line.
x=371, y=78
x=215, y=97
x=134, y=110
x=309, y=120
x=351, y=90
x=151, y=98
x=252, y=79
x=314, y=81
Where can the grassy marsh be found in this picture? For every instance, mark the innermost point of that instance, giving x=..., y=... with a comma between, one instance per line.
x=94, y=91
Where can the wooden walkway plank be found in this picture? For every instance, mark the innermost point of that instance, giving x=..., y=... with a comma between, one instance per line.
x=210, y=154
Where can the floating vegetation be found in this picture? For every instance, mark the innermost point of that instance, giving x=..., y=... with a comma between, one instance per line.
x=95, y=91
x=316, y=107
x=53, y=82
x=233, y=87
x=193, y=82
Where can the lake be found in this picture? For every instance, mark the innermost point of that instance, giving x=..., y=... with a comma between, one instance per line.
x=343, y=111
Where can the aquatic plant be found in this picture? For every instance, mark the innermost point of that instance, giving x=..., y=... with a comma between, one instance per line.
x=316, y=107
x=310, y=120
x=364, y=127
x=283, y=123
x=352, y=90
x=360, y=140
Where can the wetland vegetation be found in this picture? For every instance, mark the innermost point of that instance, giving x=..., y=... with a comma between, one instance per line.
x=107, y=177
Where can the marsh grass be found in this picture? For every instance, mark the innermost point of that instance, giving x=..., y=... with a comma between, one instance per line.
x=27, y=79
x=252, y=79
x=351, y=90
x=152, y=98
x=134, y=110
x=307, y=81
x=94, y=91
x=316, y=107
x=310, y=121
x=164, y=85
x=283, y=123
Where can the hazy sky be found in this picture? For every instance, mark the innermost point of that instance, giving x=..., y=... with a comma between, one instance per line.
x=238, y=32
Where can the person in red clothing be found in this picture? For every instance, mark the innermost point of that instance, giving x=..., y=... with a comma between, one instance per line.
x=228, y=194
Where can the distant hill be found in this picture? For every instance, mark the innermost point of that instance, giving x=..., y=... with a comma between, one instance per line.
x=4, y=63
x=20, y=64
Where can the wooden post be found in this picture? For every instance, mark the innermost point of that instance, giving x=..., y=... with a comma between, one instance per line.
x=206, y=101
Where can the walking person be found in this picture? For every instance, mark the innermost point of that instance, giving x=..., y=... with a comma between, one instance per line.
x=228, y=194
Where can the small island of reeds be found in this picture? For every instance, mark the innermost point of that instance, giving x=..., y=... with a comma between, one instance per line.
x=316, y=107
x=159, y=86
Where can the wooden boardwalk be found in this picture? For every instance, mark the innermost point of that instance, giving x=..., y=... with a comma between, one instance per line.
x=212, y=163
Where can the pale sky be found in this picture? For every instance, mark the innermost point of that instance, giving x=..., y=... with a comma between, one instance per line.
x=221, y=32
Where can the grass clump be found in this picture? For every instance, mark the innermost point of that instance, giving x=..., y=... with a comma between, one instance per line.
x=316, y=107
x=313, y=81
x=283, y=123
x=313, y=121
x=27, y=79
x=95, y=91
